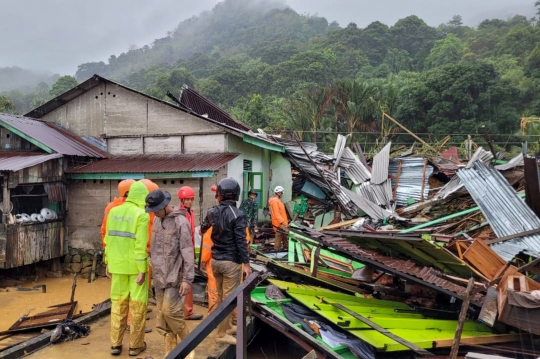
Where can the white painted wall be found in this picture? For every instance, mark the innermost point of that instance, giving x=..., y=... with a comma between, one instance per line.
x=280, y=170
x=162, y=145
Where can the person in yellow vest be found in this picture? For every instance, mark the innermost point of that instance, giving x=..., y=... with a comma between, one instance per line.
x=123, y=190
x=126, y=257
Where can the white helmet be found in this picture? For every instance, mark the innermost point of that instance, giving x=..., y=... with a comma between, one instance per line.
x=279, y=189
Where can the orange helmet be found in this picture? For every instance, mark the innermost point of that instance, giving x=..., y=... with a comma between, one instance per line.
x=213, y=188
x=123, y=187
x=151, y=186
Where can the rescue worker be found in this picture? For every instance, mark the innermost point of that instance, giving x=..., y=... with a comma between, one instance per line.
x=150, y=186
x=206, y=264
x=174, y=266
x=230, y=250
x=250, y=207
x=280, y=222
x=186, y=195
x=126, y=258
x=123, y=189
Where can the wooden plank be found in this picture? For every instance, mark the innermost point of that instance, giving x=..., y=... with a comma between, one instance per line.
x=488, y=314
x=483, y=339
x=513, y=236
x=484, y=259
x=340, y=224
x=461, y=320
x=383, y=331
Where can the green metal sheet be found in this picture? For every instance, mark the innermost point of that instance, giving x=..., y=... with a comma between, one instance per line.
x=162, y=175
x=257, y=295
x=263, y=144
x=412, y=327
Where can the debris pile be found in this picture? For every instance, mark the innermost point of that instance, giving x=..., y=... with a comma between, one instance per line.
x=430, y=229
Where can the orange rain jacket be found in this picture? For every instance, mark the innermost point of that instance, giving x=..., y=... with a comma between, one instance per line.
x=278, y=213
x=115, y=203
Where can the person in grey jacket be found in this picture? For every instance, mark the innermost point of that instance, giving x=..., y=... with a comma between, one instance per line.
x=173, y=266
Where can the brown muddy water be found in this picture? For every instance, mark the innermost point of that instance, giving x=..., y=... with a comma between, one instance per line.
x=15, y=304
x=268, y=344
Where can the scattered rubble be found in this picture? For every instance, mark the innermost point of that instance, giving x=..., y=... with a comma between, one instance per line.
x=426, y=227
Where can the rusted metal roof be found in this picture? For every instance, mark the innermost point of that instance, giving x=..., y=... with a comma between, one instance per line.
x=193, y=162
x=12, y=161
x=52, y=136
x=404, y=268
x=204, y=107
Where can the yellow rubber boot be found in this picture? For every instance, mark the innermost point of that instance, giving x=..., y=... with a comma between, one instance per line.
x=170, y=343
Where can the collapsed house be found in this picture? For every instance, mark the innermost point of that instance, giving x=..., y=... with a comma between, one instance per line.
x=429, y=231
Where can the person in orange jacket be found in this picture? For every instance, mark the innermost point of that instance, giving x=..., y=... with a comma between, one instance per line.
x=186, y=195
x=206, y=264
x=123, y=189
x=280, y=222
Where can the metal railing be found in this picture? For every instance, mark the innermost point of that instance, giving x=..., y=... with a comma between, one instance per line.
x=240, y=299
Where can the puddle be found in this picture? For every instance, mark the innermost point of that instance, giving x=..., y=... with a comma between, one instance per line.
x=16, y=304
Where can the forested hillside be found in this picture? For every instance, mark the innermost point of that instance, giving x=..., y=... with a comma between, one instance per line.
x=275, y=69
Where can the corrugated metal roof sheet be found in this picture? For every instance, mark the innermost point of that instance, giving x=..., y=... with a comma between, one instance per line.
x=380, y=165
x=193, y=162
x=402, y=267
x=49, y=134
x=410, y=179
x=202, y=106
x=514, y=162
x=506, y=212
x=16, y=162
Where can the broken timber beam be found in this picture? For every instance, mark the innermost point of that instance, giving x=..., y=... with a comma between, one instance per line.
x=513, y=236
x=384, y=331
x=461, y=320
x=339, y=225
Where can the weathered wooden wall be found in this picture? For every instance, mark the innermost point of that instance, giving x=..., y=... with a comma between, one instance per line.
x=12, y=142
x=50, y=171
x=31, y=243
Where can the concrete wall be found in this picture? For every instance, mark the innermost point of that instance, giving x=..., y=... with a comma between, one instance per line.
x=112, y=110
x=151, y=145
x=163, y=145
x=88, y=198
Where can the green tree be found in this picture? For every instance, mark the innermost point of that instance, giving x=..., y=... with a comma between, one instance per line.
x=6, y=105
x=445, y=51
x=63, y=84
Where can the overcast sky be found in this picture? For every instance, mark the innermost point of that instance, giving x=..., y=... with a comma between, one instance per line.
x=58, y=35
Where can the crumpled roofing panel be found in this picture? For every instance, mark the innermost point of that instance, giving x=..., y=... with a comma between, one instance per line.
x=425, y=275
x=506, y=212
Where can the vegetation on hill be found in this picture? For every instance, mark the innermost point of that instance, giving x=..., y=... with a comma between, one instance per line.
x=277, y=70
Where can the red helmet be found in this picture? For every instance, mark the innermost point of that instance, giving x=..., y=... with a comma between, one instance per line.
x=213, y=188
x=186, y=192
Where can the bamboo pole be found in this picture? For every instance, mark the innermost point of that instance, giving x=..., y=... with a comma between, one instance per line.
x=408, y=131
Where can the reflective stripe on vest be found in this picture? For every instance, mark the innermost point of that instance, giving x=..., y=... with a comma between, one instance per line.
x=122, y=234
